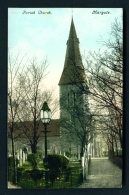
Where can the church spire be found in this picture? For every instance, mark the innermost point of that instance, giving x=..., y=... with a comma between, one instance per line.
x=72, y=12
x=72, y=33
x=73, y=71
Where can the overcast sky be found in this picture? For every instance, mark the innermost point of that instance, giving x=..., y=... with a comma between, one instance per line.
x=44, y=35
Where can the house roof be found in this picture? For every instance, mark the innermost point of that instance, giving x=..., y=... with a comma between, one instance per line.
x=73, y=71
x=21, y=129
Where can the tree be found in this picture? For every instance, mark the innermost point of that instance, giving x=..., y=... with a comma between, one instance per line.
x=75, y=115
x=76, y=119
x=15, y=98
x=105, y=82
x=31, y=82
x=78, y=131
x=25, y=96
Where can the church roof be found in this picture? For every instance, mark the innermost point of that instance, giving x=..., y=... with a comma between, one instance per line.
x=73, y=71
x=26, y=127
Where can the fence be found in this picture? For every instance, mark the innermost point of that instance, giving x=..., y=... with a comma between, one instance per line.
x=47, y=179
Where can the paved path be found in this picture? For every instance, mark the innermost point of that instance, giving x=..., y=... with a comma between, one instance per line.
x=11, y=186
x=103, y=174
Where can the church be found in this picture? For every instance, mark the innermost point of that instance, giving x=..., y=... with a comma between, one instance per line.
x=76, y=128
x=73, y=134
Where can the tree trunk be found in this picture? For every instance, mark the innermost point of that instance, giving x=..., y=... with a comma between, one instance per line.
x=33, y=148
x=14, y=164
x=116, y=146
x=112, y=148
x=82, y=151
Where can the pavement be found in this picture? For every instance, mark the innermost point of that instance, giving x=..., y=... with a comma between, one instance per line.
x=103, y=174
x=12, y=186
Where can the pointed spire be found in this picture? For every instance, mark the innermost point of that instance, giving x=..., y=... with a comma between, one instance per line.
x=72, y=12
x=72, y=33
x=73, y=71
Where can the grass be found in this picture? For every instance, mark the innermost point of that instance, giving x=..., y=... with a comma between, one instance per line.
x=27, y=166
x=25, y=181
x=72, y=164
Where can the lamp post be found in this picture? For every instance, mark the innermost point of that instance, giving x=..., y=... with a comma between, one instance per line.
x=45, y=116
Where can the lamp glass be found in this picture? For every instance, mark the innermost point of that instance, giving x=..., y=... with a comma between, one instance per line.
x=45, y=116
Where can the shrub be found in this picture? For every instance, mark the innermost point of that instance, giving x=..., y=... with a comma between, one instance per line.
x=40, y=154
x=26, y=182
x=68, y=154
x=33, y=159
x=35, y=174
x=10, y=162
x=11, y=170
x=56, y=162
x=19, y=173
x=10, y=175
x=67, y=174
x=81, y=178
x=26, y=165
x=120, y=153
x=52, y=175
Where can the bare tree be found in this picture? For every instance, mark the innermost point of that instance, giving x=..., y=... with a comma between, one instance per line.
x=15, y=66
x=76, y=120
x=31, y=82
x=80, y=134
x=106, y=81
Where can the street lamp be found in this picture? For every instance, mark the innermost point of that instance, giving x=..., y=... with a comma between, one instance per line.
x=45, y=116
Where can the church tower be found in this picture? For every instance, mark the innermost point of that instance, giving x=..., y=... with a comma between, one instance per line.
x=73, y=88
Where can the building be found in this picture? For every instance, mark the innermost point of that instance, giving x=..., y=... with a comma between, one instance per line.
x=73, y=134
x=25, y=129
x=75, y=117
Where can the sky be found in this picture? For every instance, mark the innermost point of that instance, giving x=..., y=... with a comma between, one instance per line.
x=44, y=32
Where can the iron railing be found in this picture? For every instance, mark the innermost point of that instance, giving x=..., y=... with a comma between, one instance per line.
x=47, y=179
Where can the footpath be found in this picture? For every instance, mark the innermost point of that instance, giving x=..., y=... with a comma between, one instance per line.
x=103, y=174
x=11, y=186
